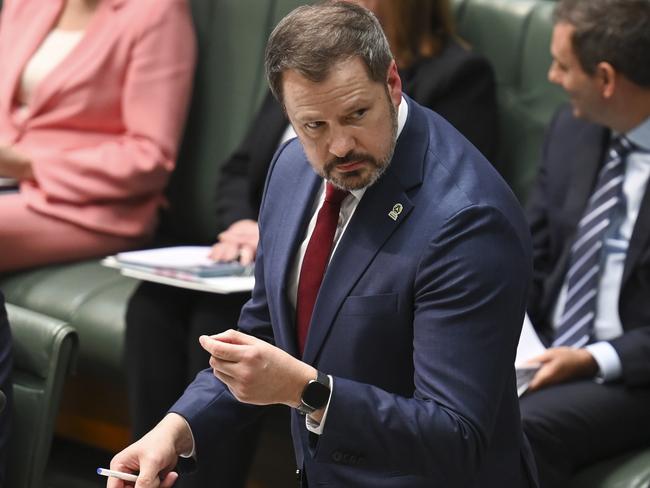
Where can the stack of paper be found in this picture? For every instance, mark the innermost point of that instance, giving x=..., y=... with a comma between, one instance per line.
x=184, y=266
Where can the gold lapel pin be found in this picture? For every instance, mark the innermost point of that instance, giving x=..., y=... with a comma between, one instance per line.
x=397, y=209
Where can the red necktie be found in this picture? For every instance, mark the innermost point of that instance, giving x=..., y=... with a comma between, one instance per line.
x=316, y=259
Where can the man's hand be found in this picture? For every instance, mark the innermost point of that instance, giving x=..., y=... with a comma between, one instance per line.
x=154, y=455
x=14, y=164
x=560, y=364
x=237, y=242
x=255, y=371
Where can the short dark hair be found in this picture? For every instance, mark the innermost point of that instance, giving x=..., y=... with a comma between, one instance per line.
x=615, y=31
x=313, y=38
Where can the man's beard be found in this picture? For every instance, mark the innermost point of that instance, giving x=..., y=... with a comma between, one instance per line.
x=356, y=180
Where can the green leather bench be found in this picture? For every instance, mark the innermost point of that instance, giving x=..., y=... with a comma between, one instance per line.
x=513, y=34
x=44, y=350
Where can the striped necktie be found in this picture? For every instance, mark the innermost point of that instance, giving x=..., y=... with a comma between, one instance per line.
x=576, y=323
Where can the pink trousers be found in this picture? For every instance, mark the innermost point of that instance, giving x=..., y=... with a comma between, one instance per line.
x=28, y=238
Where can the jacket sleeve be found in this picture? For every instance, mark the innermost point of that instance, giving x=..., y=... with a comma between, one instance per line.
x=155, y=94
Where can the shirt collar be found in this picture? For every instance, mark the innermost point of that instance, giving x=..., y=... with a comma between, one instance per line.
x=640, y=135
x=402, y=114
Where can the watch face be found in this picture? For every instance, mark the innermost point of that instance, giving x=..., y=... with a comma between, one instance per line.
x=316, y=395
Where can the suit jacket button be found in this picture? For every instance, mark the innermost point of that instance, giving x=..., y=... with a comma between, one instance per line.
x=298, y=474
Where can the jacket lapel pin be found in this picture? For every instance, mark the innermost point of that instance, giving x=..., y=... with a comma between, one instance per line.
x=397, y=209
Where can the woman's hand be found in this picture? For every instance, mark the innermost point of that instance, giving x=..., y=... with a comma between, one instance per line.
x=237, y=242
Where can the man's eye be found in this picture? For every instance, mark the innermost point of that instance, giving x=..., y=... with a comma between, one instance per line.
x=313, y=125
x=359, y=113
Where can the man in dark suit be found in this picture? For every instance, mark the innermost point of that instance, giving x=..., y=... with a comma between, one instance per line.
x=5, y=387
x=590, y=221
x=397, y=356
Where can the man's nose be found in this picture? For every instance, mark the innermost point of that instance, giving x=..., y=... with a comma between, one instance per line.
x=341, y=142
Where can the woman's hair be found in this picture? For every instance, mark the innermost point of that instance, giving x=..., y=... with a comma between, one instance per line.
x=416, y=28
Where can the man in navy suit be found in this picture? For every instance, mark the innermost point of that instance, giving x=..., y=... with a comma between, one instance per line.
x=591, y=398
x=5, y=387
x=398, y=361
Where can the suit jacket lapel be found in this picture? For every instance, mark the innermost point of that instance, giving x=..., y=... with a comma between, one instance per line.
x=588, y=160
x=369, y=228
x=289, y=235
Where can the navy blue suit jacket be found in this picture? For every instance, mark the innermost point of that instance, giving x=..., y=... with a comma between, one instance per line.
x=417, y=320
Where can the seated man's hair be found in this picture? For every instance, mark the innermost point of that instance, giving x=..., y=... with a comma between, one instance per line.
x=615, y=31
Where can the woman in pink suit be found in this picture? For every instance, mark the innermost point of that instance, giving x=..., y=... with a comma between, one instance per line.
x=93, y=96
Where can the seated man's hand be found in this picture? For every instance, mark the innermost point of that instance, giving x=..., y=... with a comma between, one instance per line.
x=14, y=164
x=237, y=242
x=560, y=364
x=255, y=371
x=154, y=455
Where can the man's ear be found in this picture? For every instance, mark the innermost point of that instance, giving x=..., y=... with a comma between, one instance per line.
x=394, y=83
x=606, y=76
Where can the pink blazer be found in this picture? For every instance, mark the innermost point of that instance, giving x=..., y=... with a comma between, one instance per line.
x=103, y=129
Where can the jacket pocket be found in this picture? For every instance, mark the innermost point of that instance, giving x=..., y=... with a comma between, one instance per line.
x=369, y=305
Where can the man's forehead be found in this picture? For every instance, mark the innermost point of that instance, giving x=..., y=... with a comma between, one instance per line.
x=345, y=83
x=562, y=39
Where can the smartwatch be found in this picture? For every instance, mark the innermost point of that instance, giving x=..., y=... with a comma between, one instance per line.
x=315, y=395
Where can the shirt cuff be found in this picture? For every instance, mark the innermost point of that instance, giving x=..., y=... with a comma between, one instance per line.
x=314, y=426
x=609, y=363
x=192, y=453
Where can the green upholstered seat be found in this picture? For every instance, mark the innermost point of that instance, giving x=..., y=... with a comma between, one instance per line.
x=231, y=37
x=43, y=351
x=86, y=295
x=514, y=35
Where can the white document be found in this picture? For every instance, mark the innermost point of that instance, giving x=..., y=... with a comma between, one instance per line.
x=168, y=257
x=176, y=267
x=529, y=343
x=221, y=284
x=529, y=347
